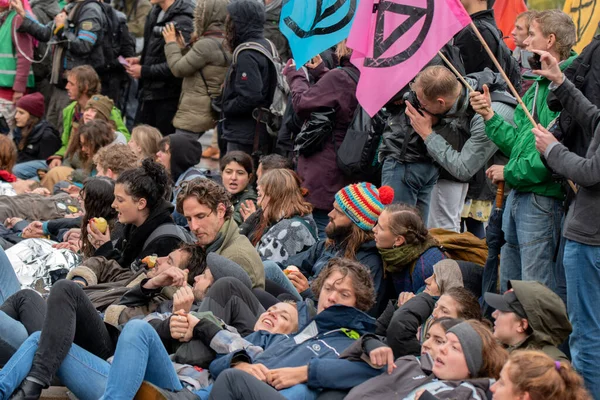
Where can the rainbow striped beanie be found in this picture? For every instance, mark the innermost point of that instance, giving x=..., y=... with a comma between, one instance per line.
x=363, y=203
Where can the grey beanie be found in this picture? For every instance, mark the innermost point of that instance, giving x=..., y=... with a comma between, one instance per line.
x=447, y=275
x=221, y=267
x=472, y=346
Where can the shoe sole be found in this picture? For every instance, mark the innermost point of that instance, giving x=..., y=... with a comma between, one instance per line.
x=149, y=392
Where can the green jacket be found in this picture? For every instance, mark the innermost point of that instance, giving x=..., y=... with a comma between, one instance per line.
x=525, y=170
x=68, y=114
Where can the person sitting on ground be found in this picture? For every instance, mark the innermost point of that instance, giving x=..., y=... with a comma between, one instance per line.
x=355, y=212
x=142, y=208
x=283, y=226
x=208, y=211
x=237, y=171
x=533, y=375
x=72, y=318
x=112, y=160
x=99, y=107
x=470, y=354
x=408, y=251
x=36, y=139
x=530, y=316
x=10, y=185
x=144, y=141
x=179, y=154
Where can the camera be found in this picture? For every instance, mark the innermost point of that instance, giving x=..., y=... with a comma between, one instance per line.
x=158, y=30
x=535, y=62
x=412, y=98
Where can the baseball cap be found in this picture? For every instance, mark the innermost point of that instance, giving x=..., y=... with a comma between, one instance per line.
x=507, y=302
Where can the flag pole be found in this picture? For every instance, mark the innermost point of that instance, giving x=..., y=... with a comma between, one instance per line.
x=458, y=75
x=501, y=71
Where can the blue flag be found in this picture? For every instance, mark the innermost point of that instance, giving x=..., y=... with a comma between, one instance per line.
x=313, y=26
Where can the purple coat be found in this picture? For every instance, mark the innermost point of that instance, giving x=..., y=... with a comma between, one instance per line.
x=333, y=89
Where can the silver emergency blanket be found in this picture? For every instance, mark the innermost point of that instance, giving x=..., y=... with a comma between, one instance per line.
x=34, y=259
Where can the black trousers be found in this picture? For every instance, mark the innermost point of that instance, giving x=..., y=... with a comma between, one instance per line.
x=70, y=318
x=158, y=113
x=233, y=384
x=27, y=307
x=230, y=300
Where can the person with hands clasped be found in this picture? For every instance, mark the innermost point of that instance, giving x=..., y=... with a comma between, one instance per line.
x=533, y=210
x=582, y=249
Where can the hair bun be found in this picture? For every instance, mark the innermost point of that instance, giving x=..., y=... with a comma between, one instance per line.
x=386, y=195
x=156, y=172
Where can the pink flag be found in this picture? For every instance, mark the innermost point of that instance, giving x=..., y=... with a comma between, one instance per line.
x=392, y=40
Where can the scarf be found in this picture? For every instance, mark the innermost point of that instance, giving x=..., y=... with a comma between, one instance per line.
x=397, y=259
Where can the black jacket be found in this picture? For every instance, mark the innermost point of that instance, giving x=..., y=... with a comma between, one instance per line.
x=42, y=142
x=130, y=247
x=157, y=81
x=250, y=83
x=474, y=56
x=404, y=326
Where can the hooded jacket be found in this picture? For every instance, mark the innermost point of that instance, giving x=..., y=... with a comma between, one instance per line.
x=207, y=57
x=186, y=152
x=42, y=142
x=230, y=244
x=547, y=317
x=157, y=81
x=313, y=260
x=326, y=337
x=250, y=83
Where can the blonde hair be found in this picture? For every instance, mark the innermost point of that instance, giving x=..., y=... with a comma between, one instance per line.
x=543, y=378
x=437, y=81
x=147, y=137
x=559, y=24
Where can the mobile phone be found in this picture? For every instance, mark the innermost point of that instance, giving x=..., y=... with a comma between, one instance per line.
x=535, y=62
x=123, y=61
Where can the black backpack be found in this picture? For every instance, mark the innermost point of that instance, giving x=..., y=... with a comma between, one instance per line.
x=504, y=56
x=116, y=35
x=357, y=154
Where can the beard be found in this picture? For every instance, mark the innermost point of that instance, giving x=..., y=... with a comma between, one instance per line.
x=337, y=233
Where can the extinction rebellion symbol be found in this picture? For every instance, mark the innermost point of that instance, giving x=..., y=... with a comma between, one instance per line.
x=321, y=15
x=382, y=44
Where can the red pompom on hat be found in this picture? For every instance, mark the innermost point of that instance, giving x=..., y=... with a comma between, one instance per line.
x=386, y=195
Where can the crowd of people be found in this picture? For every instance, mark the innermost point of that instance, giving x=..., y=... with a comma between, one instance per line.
x=279, y=274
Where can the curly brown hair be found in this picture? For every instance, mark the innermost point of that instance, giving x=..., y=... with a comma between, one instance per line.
x=8, y=153
x=207, y=193
x=469, y=307
x=117, y=157
x=362, y=281
x=88, y=81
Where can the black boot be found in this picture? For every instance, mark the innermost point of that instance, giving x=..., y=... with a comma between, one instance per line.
x=28, y=390
x=149, y=391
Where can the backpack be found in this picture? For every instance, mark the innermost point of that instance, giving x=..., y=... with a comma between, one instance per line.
x=273, y=115
x=169, y=230
x=116, y=35
x=357, y=154
x=504, y=56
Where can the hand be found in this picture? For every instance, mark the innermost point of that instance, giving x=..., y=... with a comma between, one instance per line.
x=60, y=19
x=259, y=371
x=16, y=97
x=56, y=162
x=75, y=215
x=419, y=393
x=298, y=280
x=178, y=326
x=67, y=245
x=72, y=190
x=96, y=238
x=33, y=230
x=404, y=297
x=495, y=173
x=247, y=209
x=422, y=124
x=169, y=33
x=289, y=66
x=41, y=191
x=17, y=5
x=170, y=277
x=133, y=60
x=314, y=62
x=543, y=138
x=183, y=299
x=72, y=234
x=382, y=356
x=550, y=68
x=283, y=378
x=11, y=222
x=482, y=103
x=135, y=71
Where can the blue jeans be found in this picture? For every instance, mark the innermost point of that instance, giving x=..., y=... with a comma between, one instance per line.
x=273, y=272
x=412, y=183
x=582, y=270
x=12, y=334
x=531, y=226
x=9, y=283
x=28, y=170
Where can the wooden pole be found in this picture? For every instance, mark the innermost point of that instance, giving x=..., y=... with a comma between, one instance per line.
x=458, y=75
x=501, y=71
x=500, y=195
